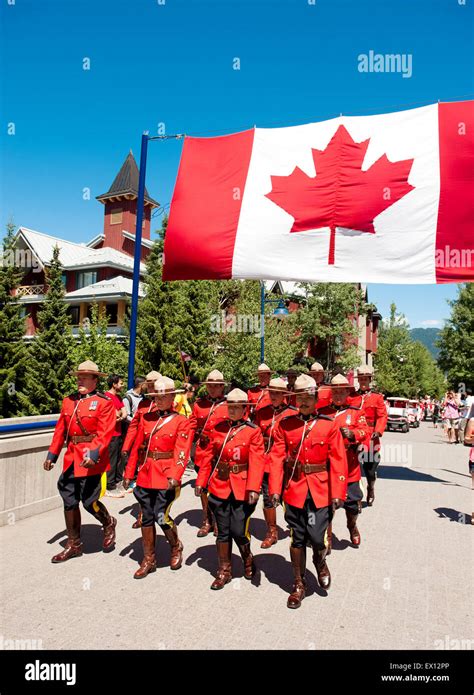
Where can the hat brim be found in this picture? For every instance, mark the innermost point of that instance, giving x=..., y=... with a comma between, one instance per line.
x=277, y=390
x=335, y=387
x=165, y=393
x=217, y=383
x=237, y=402
x=86, y=371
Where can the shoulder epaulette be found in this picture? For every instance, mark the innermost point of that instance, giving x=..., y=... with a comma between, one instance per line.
x=354, y=407
x=292, y=407
x=287, y=417
x=102, y=395
x=74, y=395
x=325, y=417
x=251, y=424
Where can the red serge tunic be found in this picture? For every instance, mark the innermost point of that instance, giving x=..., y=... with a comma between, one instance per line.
x=354, y=419
x=258, y=398
x=237, y=449
x=166, y=438
x=207, y=413
x=146, y=405
x=87, y=423
x=313, y=442
x=374, y=410
x=267, y=418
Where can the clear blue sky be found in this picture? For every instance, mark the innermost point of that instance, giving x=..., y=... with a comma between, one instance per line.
x=172, y=63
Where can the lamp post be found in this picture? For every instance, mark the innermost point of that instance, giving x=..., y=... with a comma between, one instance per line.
x=280, y=312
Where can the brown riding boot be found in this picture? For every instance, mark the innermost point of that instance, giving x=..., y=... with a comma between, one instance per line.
x=108, y=524
x=298, y=561
x=138, y=522
x=207, y=517
x=224, y=573
x=176, y=559
x=73, y=527
x=352, y=526
x=370, y=492
x=149, y=561
x=329, y=532
x=272, y=532
x=322, y=570
x=247, y=557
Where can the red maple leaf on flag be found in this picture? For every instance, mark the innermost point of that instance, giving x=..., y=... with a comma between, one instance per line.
x=341, y=194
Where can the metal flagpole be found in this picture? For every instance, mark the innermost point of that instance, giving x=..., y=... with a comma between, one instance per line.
x=136, y=261
x=138, y=248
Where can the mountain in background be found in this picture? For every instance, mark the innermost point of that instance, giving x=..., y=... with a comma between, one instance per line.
x=428, y=337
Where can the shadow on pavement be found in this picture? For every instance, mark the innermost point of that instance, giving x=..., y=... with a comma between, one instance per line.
x=453, y=515
x=404, y=473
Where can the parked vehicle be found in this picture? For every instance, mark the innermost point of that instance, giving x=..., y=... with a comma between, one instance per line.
x=414, y=413
x=398, y=414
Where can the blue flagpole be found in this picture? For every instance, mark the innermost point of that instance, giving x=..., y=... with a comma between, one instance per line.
x=136, y=261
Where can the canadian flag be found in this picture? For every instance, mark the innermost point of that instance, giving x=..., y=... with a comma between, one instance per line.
x=384, y=198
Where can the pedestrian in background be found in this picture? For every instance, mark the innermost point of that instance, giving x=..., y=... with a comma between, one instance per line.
x=132, y=399
x=451, y=417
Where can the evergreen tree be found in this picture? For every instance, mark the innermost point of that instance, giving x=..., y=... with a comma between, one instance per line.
x=18, y=376
x=53, y=343
x=456, y=342
x=174, y=317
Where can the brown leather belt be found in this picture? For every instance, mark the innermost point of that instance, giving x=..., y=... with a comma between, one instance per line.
x=300, y=468
x=157, y=455
x=77, y=438
x=225, y=468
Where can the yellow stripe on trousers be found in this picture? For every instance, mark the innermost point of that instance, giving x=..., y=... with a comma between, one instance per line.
x=103, y=487
x=170, y=522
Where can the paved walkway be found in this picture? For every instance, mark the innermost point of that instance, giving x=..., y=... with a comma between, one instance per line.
x=406, y=587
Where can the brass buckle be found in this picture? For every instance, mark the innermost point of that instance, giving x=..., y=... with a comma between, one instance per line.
x=234, y=468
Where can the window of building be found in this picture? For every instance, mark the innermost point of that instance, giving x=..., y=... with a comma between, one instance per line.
x=116, y=216
x=74, y=313
x=85, y=278
x=112, y=313
x=64, y=279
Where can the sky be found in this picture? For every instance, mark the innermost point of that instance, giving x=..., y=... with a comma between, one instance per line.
x=170, y=63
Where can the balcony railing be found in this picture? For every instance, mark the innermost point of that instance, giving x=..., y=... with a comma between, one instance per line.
x=30, y=290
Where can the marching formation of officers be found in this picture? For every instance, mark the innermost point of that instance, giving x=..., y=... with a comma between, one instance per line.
x=298, y=442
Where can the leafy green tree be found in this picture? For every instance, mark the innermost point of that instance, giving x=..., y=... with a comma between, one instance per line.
x=404, y=367
x=18, y=372
x=53, y=344
x=456, y=342
x=107, y=352
x=239, y=340
x=327, y=315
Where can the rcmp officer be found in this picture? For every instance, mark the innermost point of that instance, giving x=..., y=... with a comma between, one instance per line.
x=146, y=405
x=232, y=470
x=207, y=412
x=308, y=461
x=86, y=424
x=291, y=376
x=267, y=419
x=316, y=372
x=376, y=415
x=354, y=429
x=258, y=395
x=167, y=440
